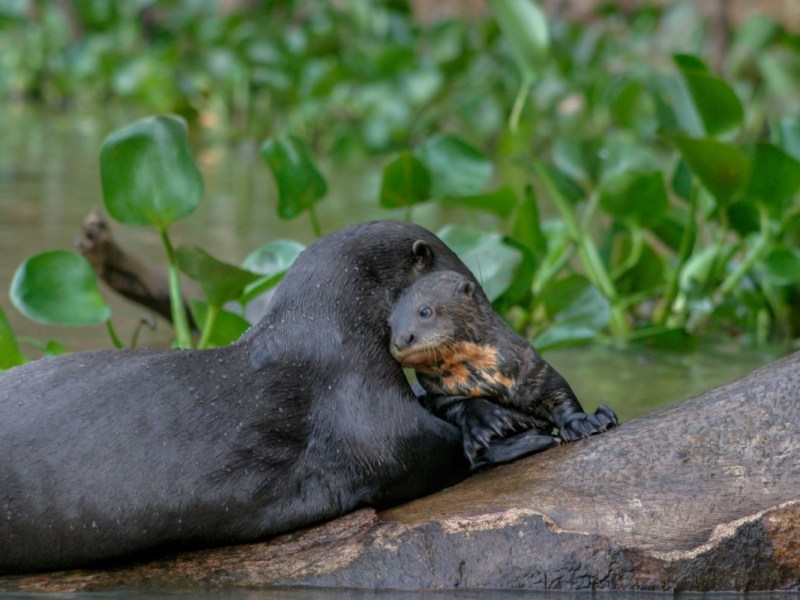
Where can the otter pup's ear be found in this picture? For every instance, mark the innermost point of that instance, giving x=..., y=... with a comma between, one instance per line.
x=423, y=253
x=467, y=288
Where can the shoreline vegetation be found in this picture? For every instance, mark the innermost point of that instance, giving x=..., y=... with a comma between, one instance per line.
x=624, y=192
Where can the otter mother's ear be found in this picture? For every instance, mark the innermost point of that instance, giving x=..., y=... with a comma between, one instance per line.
x=423, y=253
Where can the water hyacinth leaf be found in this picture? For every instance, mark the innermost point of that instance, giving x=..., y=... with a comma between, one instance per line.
x=721, y=168
x=743, y=217
x=638, y=196
x=456, y=168
x=406, y=182
x=300, y=184
x=675, y=109
x=228, y=327
x=575, y=301
x=786, y=135
x=221, y=282
x=774, y=176
x=524, y=27
x=526, y=225
x=719, y=108
x=782, y=266
x=273, y=258
x=647, y=275
x=270, y=261
x=579, y=312
x=58, y=288
x=10, y=356
x=491, y=260
x=148, y=174
x=500, y=202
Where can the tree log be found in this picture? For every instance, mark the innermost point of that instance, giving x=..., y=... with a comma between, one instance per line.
x=704, y=495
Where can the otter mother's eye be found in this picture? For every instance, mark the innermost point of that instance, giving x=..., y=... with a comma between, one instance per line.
x=425, y=312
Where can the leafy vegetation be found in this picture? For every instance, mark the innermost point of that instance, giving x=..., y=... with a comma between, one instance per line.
x=621, y=188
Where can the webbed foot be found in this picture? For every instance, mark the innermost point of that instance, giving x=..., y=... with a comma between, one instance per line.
x=580, y=424
x=511, y=448
x=479, y=421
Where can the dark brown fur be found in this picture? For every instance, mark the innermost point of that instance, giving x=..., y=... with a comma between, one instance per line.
x=444, y=327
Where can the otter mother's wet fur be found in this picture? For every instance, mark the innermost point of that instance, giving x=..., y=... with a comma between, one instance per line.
x=111, y=453
x=444, y=327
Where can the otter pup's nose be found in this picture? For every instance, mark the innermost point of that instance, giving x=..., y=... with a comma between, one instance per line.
x=402, y=341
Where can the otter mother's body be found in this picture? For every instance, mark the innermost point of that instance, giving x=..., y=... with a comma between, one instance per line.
x=112, y=453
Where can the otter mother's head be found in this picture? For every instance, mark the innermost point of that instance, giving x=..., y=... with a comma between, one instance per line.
x=343, y=286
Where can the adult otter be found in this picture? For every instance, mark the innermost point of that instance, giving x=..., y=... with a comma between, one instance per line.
x=110, y=453
x=444, y=327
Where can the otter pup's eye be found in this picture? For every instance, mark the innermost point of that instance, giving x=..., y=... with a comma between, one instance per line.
x=425, y=312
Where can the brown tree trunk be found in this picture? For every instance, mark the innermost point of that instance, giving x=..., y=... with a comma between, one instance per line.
x=702, y=496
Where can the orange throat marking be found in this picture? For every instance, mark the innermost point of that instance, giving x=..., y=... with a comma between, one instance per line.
x=461, y=361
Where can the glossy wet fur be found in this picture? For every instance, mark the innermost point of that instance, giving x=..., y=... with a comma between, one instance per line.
x=112, y=453
x=477, y=372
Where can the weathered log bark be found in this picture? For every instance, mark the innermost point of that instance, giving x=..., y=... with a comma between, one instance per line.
x=702, y=496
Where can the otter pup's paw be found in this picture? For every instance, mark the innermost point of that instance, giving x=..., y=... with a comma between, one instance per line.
x=479, y=421
x=514, y=447
x=580, y=424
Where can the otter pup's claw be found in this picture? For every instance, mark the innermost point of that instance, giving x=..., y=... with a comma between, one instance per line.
x=511, y=448
x=580, y=424
x=479, y=421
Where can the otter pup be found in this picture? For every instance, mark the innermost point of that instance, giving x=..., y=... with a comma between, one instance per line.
x=444, y=327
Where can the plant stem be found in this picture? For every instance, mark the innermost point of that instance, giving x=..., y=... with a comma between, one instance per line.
x=312, y=214
x=114, y=337
x=211, y=317
x=519, y=104
x=183, y=336
x=684, y=252
x=590, y=257
x=758, y=251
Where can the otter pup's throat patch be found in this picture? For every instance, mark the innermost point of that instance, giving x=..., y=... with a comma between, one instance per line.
x=467, y=368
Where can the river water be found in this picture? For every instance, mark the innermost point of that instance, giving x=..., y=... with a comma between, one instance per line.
x=49, y=181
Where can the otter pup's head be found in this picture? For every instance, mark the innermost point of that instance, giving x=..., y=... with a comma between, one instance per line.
x=434, y=313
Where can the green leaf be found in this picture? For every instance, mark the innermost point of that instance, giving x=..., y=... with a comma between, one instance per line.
x=500, y=202
x=574, y=301
x=273, y=258
x=774, y=176
x=221, y=282
x=228, y=327
x=300, y=184
x=457, y=169
x=491, y=260
x=270, y=261
x=148, y=174
x=647, y=275
x=526, y=225
x=578, y=310
x=524, y=27
x=58, y=288
x=786, y=134
x=782, y=266
x=721, y=168
x=638, y=196
x=717, y=104
x=10, y=356
x=406, y=182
